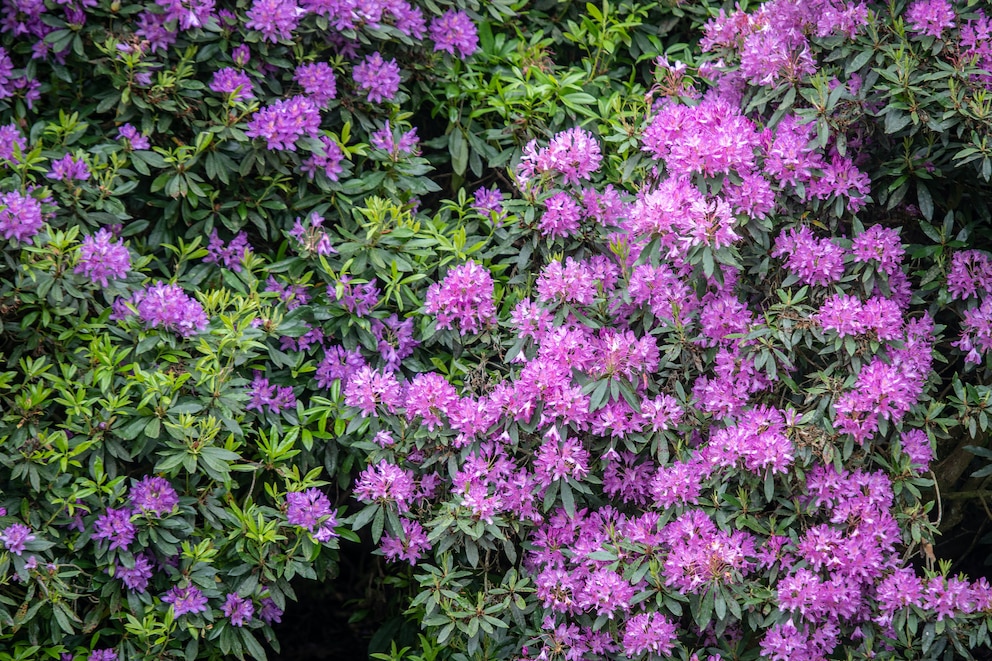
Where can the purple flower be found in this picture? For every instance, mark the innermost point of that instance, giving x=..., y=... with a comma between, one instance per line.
x=930, y=17
x=385, y=140
x=880, y=245
x=136, y=578
x=358, y=299
x=232, y=81
x=10, y=137
x=102, y=655
x=649, y=632
x=275, y=19
x=21, y=216
x=241, y=55
x=410, y=547
x=561, y=217
x=238, y=609
x=813, y=261
x=317, y=80
x=338, y=363
x=454, y=31
x=115, y=525
x=395, y=339
x=574, y=154
x=188, y=13
x=970, y=275
x=326, y=159
x=311, y=509
x=102, y=259
x=15, y=537
x=464, y=299
x=68, y=169
x=155, y=495
x=369, y=388
x=262, y=396
x=229, y=256
x=134, y=139
x=270, y=613
x=186, y=600
x=167, y=305
x=488, y=202
x=379, y=78
x=284, y=122
x=386, y=483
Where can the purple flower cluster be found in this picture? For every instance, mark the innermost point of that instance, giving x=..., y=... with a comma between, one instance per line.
x=264, y=397
x=115, y=526
x=454, y=31
x=811, y=260
x=379, y=78
x=168, y=306
x=188, y=599
x=359, y=299
x=15, y=537
x=21, y=216
x=136, y=578
x=135, y=140
x=386, y=140
x=312, y=237
x=234, y=82
x=464, y=299
x=573, y=154
x=338, y=363
x=285, y=121
x=311, y=509
x=238, y=610
x=410, y=547
x=489, y=203
x=231, y=255
x=69, y=169
x=102, y=259
x=930, y=18
x=154, y=495
x=102, y=655
x=970, y=275
x=11, y=139
x=326, y=158
x=275, y=19
x=318, y=81
x=386, y=484
x=395, y=340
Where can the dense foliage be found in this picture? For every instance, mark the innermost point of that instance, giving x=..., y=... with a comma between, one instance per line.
x=626, y=331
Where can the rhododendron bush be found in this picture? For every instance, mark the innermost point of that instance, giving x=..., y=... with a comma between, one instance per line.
x=641, y=331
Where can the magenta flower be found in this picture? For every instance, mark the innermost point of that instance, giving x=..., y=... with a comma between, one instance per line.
x=284, y=122
x=168, y=306
x=264, y=397
x=275, y=19
x=233, y=81
x=154, y=495
x=102, y=259
x=454, y=31
x=318, y=81
x=185, y=600
x=386, y=483
x=15, y=537
x=380, y=79
x=311, y=509
x=68, y=169
x=930, y=17
x=102, y=655
x=134, y=139
x=369, y=388
x=116, y=527
x=410, y=547
x=238, y=609
x=464, y=299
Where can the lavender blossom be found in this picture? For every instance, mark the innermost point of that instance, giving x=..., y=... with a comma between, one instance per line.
x=102, y=259
x=185, y=600
x=380, y=79
x=238, y=609
x=454, y=31
x=15, y=537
